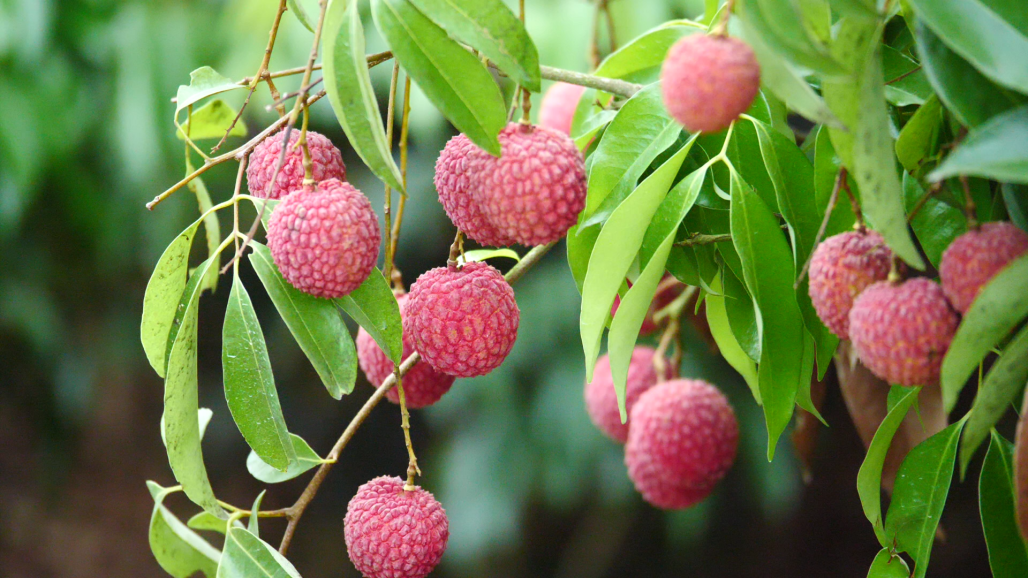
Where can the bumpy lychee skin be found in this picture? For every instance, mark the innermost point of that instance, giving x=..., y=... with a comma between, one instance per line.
x=464, y=321
x=841, y=267
x=602, y=403
x=394, y=533
x=452, y=180
x=667, y=291
x=901, y=331
x=682, y=440
x=422, y=386
x=533, y=193
x=557, y=110
x=708, y=81
x=324, y=240
x=326, y=163
x=974, y=258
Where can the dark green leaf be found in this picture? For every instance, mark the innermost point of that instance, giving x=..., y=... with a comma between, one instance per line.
x=580, y=246
x=640, y=60
x=489, y=27
x=826, y=170
x=936, y=224
x=905, y=82
x=451, y=77
x=997, y=149
x=1015, y=197
x=1008, y=553
x=162, y=296
x=203, y=82
x=373, y=306
x=348, y=85
x=1000, y=306
x=886, y=565
x=179, y=550
x=742, y=319
x=306, y=459
x=249, y=383
x=919, y=137
x=247, y=556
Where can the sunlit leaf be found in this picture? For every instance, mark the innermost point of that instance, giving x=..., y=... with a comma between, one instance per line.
x=162, y=298
x=203, y=82
x=886, y=565
x=211, y=121
x=486, y=254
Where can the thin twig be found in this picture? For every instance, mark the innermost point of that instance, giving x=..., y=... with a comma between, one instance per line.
x=904, y=75
x=281, y=100
x=390, y=123
x=932, y=190
x=594, y=40
x=703, y=239
x=611, y=85
x=396, y=280
x=832, y=200
x=373, y=60
x=412, y=460
x=970, y=210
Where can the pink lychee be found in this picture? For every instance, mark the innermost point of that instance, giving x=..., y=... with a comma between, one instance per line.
x=451, y=182
x=708, y=81
x=601, y=401
x=394, y=533
x=974, y=258
x=841, y=267
x=326, y=163
x=534, y=191
x=462, y=321
x=422, y=386
x=324, y=240
x=682, y=440
x=901, y=331
x=668, y=290
x=557, y=110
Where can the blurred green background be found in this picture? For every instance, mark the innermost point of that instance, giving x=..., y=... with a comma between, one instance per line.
x=531, y=488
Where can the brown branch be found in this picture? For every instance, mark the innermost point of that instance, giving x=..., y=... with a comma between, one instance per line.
x=904, y=75
x=387, y=268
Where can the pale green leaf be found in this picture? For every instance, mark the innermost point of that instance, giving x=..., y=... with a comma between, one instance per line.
x=161, y=299
x=306, y=459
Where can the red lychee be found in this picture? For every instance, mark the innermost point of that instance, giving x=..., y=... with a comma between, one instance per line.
x=841, y=267
x=682, y=440
x=901, y=331
x=557, y=110
x=326, y=163
x=325, y=239
x=422, y=386
x=708, y=81
x=975, y=257
x=463, y=321
x=394, y=533
x=533, y=193
x=600, y=400
x=668, y=290
x=451, y=182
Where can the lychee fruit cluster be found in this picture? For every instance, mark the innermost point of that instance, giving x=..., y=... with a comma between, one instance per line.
x=422, y=385
x=326, y=163
x=975, y=257
x=601, y=401
x=708, y=81
x=841, y=267
x=557, y=110
x=324, y=239
x=463, y=321
x=531, y=194
x=682, y=439
x=394, y=533
x=668, y=290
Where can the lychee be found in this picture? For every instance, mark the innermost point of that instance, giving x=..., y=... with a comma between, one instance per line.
x=668, y=290
x=557, y=110
x=841, y=267
x=324, y=239
x=463, y=321
x=708, y=81
x=682, y=440
x=974, y=258
x=326, y=163
x=394, y=533
x=452, y=181
x=901, y=331
x=600, y=400
x=534, y=191
x=422, y=385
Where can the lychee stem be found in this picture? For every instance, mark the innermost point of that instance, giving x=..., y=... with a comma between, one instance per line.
x=895, y=270
x=854, y=204
x=721, y=28
x=388, y=193
x=970, y=210
x=308, y=163
x=412, y=465
x=456, y=251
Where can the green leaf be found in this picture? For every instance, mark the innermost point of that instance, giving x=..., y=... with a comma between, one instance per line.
x=996, y=150
x=768, y=272
x=969, y=95
x=641, y=130
x=451, y=77
x=491, y=28
x=615, y=249
x=373, y=306
x=1015, y=197
x=249, y=383
x=180, y=551
x=211, y=226
x=999, y=307
x=717, y=318
x=826, y=170
x=1008, y=552
x=886, y=565
x=742, y=319
x=203, y=417
x=181, y=422
x=975, y=31
x=348, y=85
x=203, y=82
x=785, y=30
x=315, y=323
x=937, y=224
x=253, y=523
x=301, y=14
x=905, y=82
x=485, y=254
x=1003, y=382
x=247, y=556
x=306, y=459
x=210, y=522
x=580, y=246
x=640, y=60
x=869, y=478
x=854, y=44
x=919, y=495
x=162, y=298
x=920, y=136
x=211, y=121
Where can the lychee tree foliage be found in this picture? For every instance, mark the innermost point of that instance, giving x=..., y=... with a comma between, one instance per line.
x=694, y=173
